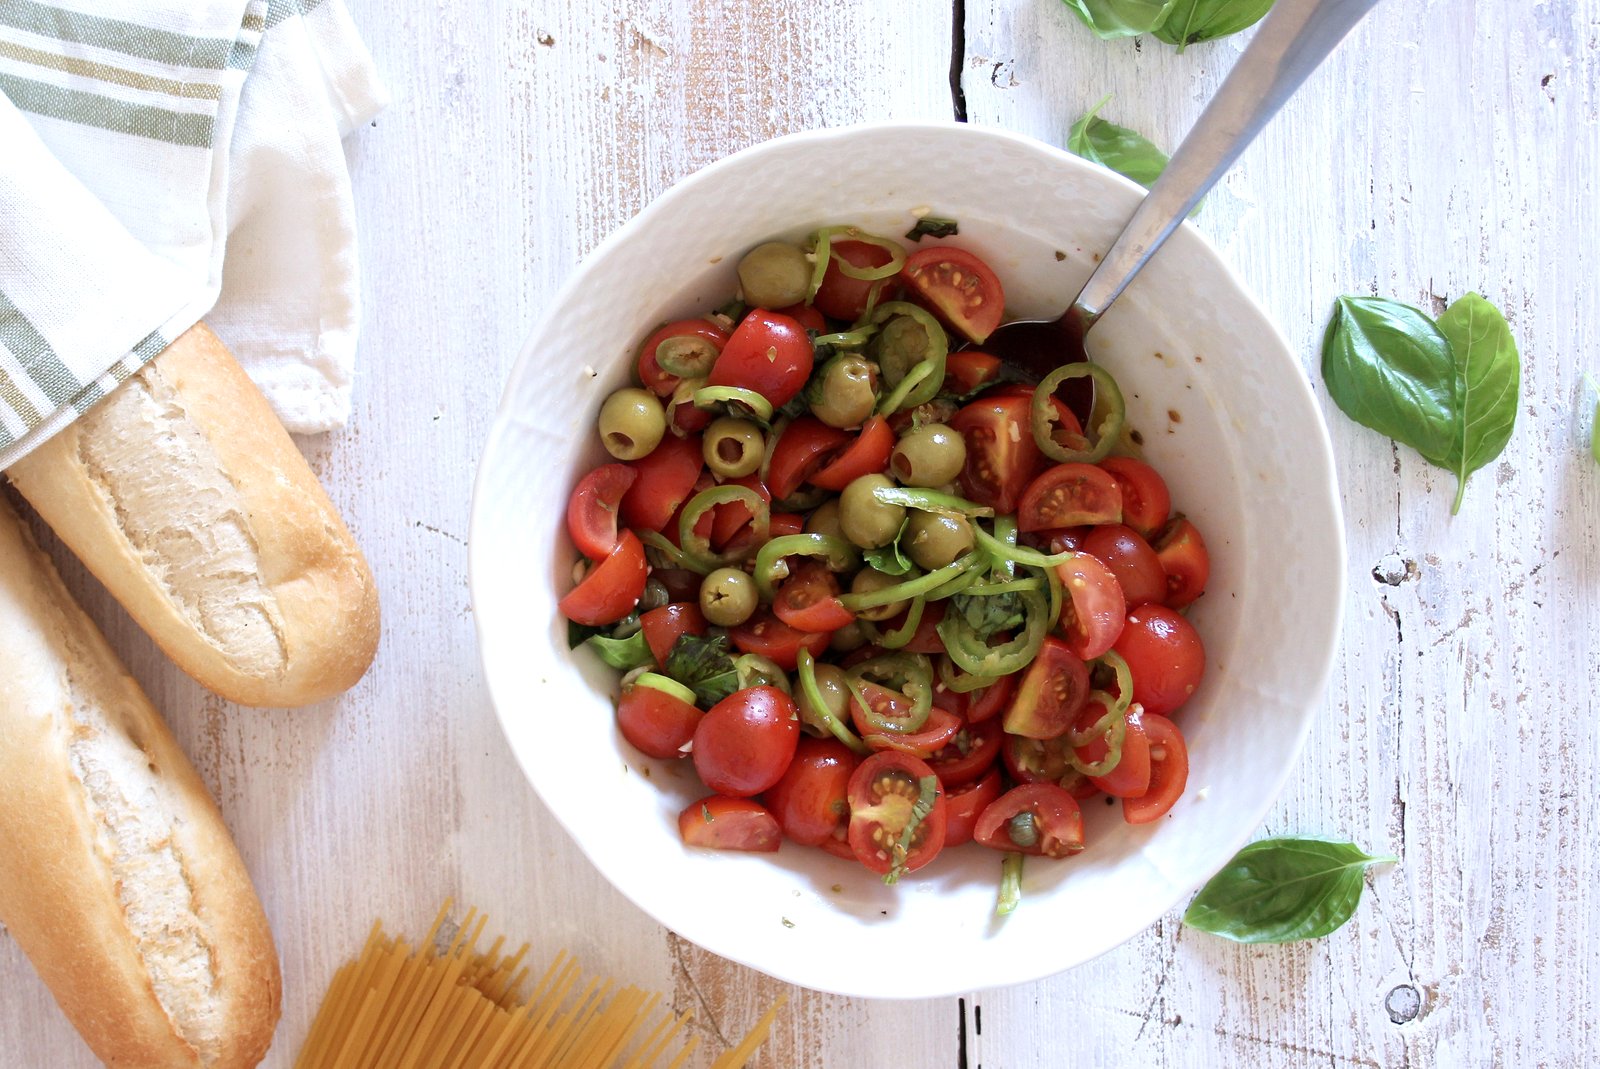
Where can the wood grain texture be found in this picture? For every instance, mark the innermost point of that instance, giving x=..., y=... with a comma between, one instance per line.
x=1447, y=147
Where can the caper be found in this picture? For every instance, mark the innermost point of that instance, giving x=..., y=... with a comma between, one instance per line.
x=847, y=391
x=825, y=520
x=868, y=522
x=632, y=423
x=933, y=539
x=929, y=456
x=728, y=597
x=774, y=275
x=849, y=637
x=733, y=447
x=870, y=580
x=655, y=595
x=835, y=697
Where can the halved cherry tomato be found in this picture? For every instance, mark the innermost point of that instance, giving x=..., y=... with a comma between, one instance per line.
x=723, y=823
x=959, y=287
x=743, y=545
x=839, y=845
x=883, y=794
x=1045, y=761
x=681, y=583
x=1130, y=777
x=935, y=735
x=1145, y=498
x=1055, y=539
x=805, y=445
x=732, y=516
x=984, y=703
x=1093, y=611
x=807, y=316
x=664, y=626
x=963, y=805
x=868, y=454
x=842, y=297
x=967, y=370
x=969, y=754
x=770, y=637
x=1069, y=495
x=1165, y=655
x=809, y=599
x=665, y=480
x=812, y=800
x=655, y=722
x=1052, y=690
x=1002, y=456
x=592, y=509
x=745, y=742
x=1169, y=772
x=768, y=353
x=1129, y=557
x=1035, y=818
x=612, y=588
x=684, y=417
x=1184, y=559
x=699, y=340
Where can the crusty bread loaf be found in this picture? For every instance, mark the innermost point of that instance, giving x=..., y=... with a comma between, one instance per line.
x=117, y=876
x=183, y=494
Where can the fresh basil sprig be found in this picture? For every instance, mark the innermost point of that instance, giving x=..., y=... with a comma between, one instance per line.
x=1282, y=890
x=1121, y=18
x=1192, y=21
x=1122, y=150
x=623, y=654
x=1449, y=389
x=1594, y=424
x=889, y=559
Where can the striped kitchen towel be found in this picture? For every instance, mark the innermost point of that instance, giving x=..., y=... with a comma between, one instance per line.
x=164, y=160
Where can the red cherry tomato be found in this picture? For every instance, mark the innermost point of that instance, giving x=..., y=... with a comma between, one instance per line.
x=665, y=480
x=731, y=517
x=1093, y=611
x=1184, y=559
x=655, y=722
x=1169, y=772
x=1002, y=457
x=1052, y=690
x=967, y=370
x=592, y=509
x=932, y=738
x=1129, y=557
x=1035, y=818
x=696, y=341
x=664, y=626
x=768, y=353
x=1164, y=654
x=807, y=316
x=809, y=599
x=1145, y=498
x=963, y=805
x=845, y=298
x=1130, y=778
x=985, y=702
x=1069, y=495
x=839, y=845
x=884, y=791
x=746, y=741
x=723, y=823
x=612, y=588
x=805, y=446
x=684, y=417
x=1045, y=761
x=960, y=287
x=969, y=754
x=770, y=637
x=868, y=454
x=812, y=800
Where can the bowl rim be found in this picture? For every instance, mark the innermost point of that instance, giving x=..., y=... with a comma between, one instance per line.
x=478, y=570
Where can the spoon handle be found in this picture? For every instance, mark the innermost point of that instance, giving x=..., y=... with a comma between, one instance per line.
x=1293, y=40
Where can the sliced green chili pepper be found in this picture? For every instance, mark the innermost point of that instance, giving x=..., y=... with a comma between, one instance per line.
x=754, y=670
x=955, y=586
x=895, y=399
x=999, y=552
x=846, y=339
x=911, y=587
x=951, y=675
x=1005, y=532
x=930, y=501
x=1010, y=885
x=1006, y=586
x=898, y=637
x=897, y=365
x=972, y=653
x=769, y=567
x=911, y=674
x=687, y=356
x=678, y=558
x=927, y=795
x=806, y=669
x=1108, y=403
x=665, y=684
x=1124, y=677
x=696, y=545
x=1053, y=579
x=822, y=253
x=707, y=396
x=1112, y=726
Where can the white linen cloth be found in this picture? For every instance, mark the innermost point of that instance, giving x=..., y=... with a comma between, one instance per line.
x=163, y=161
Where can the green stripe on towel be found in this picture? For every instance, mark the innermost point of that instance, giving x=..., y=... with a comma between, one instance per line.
x=104, y=72
x=91, y=109
x=43, y=367
x=129, y=38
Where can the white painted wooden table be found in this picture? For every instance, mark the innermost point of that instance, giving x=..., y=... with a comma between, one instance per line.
x=1447, y=147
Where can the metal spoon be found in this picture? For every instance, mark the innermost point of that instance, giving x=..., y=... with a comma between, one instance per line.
x=1292, y=41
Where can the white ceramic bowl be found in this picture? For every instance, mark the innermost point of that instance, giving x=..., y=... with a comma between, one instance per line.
x=1243, y=448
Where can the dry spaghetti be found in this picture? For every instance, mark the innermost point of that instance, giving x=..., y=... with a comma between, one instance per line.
x=398, y=1007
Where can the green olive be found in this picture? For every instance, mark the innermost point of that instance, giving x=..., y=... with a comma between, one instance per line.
x=933, y=540
x=900, y=345
x=847, y=638
x=728, y=597
x=870, y=580
x=632, y=423
x=835, y=696
x=848, y=391
x=774, y=275
x=733, y=447
x=929, y=456
x=825, y=520
x=754, y=670
x=868, y=522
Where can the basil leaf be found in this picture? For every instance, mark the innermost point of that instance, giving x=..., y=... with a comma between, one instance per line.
x=931, y=226
x=624, y=654
x=1282, y=890
x=1594, y=424
x=1389, y=368
x=1488, y=379
x=1192, y=21
x=578, y=634
x=704, y=665
x=887, y=558
x=1117, y=147
x=990, y=614
x=1121, y=18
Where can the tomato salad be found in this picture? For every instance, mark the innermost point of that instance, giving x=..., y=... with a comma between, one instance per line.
x=885, y=596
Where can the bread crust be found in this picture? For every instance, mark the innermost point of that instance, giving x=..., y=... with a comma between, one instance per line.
x=294, y=619
x=112, y=853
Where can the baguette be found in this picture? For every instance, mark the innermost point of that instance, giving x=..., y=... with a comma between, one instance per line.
x=117, y=876
x=184, y=495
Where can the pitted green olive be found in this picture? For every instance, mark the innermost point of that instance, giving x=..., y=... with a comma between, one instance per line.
x=825, y=520
x=868, y=522
x=870, y=580
x=847, y=391
x=733, y=447
x=835, y=696
x=933, y=540
x=632, y=423
x=728, y=597
x=929, y=456
x=774, y=275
